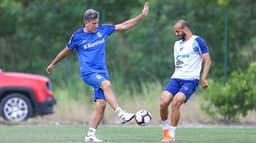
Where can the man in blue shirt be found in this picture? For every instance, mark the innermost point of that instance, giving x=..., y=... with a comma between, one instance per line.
x=89, y=43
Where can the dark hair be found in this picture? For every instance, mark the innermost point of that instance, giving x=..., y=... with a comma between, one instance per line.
x=184, y=23
x=90, y=14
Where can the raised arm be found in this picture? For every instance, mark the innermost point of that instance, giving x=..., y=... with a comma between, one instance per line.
x=62, y=54
x=206, y=69
x=132, y=22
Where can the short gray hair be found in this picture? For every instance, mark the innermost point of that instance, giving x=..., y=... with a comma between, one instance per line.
x=91, y=14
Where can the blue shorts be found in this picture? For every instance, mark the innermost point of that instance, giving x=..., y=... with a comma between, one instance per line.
x=95, y=81
x=187, y=87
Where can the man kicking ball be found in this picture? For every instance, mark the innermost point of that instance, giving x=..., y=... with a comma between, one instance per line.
x=89, y=43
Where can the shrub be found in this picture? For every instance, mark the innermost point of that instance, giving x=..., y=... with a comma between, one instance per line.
x=236, y=97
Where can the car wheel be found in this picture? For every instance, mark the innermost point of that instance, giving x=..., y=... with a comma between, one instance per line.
x=16, y=107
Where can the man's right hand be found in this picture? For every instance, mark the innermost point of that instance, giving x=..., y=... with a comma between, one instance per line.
x=50, y=68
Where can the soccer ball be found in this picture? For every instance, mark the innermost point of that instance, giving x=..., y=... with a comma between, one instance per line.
x=143, y=117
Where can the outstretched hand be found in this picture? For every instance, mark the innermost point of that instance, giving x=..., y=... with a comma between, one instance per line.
x=50, y=68
x=145, y=9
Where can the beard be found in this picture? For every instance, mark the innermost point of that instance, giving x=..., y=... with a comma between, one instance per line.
x=182, y=36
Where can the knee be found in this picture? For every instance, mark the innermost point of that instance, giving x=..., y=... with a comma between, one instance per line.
x=176, y=103
x=101, y=105
x=164, y=101
x=106, y=85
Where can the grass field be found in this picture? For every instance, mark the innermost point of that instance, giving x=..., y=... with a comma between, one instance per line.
x=123, y=134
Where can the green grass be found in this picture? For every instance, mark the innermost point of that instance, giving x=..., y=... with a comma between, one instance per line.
x=123, y=134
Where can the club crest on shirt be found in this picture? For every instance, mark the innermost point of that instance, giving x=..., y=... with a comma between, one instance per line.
x=99, y=34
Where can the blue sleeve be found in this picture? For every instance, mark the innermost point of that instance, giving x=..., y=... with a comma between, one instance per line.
x=109, y=28
x=71, y=43
x=202, y=45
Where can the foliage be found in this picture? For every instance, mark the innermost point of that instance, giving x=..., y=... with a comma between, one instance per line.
x=32, y=32
x=236, y=97
x=45, y=26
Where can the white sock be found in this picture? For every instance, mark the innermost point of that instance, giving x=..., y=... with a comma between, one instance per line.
x=91, y=132
x=172, y=131
x=165, y=124
x=119, y=111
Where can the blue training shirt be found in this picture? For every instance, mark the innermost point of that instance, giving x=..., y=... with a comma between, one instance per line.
x=90, y=48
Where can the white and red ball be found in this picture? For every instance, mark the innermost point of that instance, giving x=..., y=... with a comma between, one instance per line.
x=143, y=117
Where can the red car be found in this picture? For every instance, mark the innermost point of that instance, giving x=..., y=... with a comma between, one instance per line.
x=24, y=95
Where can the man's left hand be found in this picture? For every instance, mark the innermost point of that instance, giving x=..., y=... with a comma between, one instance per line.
x=204, y=83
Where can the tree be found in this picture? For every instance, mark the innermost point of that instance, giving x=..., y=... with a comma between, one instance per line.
x=33, y=31
x=237, y=97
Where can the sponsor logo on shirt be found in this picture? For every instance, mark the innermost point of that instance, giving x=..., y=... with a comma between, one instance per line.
x=179, y=62
x=83, y=41
x=182, y=56
x=93, y=44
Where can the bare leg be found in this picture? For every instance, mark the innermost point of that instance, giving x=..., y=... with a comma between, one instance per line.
x=165, y=100
x=95, y=121
x=98, y=113
x=178, y=100
x=110, y=97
